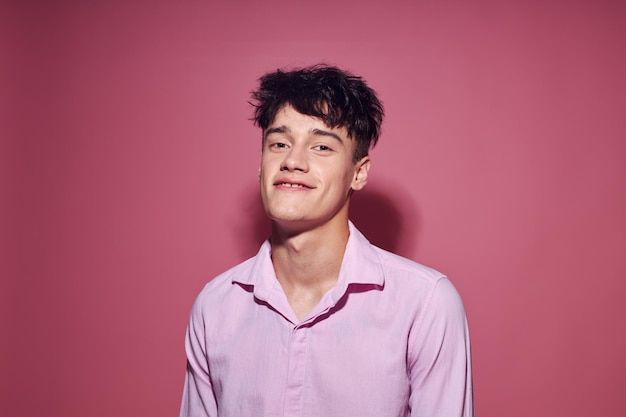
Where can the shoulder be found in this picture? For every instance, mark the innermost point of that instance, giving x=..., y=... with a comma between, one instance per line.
x=382, y=266
x=397, y=267
x=223, y=288
x=236, y=273
x=405, y=275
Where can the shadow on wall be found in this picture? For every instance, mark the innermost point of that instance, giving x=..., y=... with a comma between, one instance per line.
x=386, y=218
x=252, y=226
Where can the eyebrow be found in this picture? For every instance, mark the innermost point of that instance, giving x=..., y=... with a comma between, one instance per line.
x=278, y=129
x=320, y=132
x=317, y=132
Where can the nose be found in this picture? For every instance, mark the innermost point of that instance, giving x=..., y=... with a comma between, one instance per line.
x=295, y=160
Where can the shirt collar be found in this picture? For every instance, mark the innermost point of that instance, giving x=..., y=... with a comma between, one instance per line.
x=360, y=265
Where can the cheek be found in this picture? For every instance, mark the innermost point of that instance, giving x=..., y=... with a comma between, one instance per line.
x=264, y=169
x=349, y=176
x=340, y=184
x=268, y=162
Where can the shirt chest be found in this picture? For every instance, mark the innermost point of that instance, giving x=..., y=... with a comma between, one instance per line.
x=350, y=355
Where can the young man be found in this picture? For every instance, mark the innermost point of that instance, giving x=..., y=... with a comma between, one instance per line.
x=320, y=322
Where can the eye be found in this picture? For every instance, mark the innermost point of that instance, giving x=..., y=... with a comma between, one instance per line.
x=277, y=145
x=323, y=148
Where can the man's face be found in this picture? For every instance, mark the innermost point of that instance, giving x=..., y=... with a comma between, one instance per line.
x=307, y=171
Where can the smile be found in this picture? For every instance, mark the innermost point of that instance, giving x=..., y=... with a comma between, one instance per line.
x=291, y=185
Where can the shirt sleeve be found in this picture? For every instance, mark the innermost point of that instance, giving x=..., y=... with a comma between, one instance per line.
x=198, y=395
x=439, y=360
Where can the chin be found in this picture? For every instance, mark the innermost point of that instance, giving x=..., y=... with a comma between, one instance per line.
x=284, y=212
x=290, y=221
x=287, y=217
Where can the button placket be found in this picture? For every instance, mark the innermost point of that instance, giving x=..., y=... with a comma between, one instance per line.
x=296, y=371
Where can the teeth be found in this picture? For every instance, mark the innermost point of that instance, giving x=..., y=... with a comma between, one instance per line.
x=286, y=184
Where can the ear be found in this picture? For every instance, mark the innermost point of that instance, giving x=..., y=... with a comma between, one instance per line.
x=361, y=173
x=258, y=175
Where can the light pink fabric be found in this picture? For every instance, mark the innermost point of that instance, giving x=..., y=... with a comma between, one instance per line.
x=390, y=339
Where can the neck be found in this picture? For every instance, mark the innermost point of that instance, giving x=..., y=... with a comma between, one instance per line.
x=307, y=263
x=309, y=253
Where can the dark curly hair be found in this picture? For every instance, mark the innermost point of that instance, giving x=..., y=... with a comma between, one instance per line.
x=337, y=97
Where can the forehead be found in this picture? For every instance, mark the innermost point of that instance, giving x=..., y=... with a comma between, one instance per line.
x=294, y=121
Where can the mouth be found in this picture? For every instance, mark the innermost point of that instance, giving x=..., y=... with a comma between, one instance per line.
x=291, y=185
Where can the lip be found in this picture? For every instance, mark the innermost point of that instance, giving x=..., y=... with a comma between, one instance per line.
x=291, y=184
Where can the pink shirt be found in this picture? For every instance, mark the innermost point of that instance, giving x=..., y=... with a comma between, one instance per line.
x=390, y=339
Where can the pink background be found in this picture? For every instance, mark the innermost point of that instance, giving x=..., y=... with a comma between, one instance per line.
x=128, y=173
